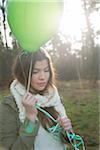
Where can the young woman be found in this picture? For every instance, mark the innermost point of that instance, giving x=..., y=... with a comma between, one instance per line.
x=22, y=125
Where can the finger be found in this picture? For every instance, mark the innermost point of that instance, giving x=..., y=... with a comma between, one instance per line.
x=28, y=101
x=64, y=120
x=25, y=97
x=71, y=130
x=66, y=123
x=28, y=94
x=68, y=126
x=32, y=101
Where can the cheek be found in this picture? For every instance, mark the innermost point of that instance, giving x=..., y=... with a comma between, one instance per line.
x=48, y=76
x=33, y=79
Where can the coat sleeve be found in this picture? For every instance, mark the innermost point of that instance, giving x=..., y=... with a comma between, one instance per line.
x=14, y=136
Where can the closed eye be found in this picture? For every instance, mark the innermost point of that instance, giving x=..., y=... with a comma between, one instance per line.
x=35, y=71
x=47, y=70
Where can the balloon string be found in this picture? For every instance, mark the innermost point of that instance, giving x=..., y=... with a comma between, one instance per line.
x=25, y=78
x=29, y=76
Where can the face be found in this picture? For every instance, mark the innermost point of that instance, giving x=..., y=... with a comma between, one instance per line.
x=40, y=76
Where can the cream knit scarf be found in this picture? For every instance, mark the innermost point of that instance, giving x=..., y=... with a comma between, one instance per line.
x=51, y=99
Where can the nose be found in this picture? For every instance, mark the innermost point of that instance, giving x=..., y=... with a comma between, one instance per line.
x=42, y=75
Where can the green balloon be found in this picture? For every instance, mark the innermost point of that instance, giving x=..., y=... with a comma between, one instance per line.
x=33, y=22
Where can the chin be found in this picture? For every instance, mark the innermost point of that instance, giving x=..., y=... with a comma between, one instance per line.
x=41, y=89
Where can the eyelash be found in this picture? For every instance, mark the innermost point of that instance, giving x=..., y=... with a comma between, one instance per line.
x=35, y=72
x=46, y=70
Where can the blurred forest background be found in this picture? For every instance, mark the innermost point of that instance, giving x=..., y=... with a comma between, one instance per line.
x=78, y=71
x=80, y=60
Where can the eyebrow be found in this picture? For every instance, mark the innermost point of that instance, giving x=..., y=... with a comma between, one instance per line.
x=47, y=67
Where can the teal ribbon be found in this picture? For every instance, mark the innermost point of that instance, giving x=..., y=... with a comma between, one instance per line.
x=55, y=130
x=75, y=140
x=45, y=112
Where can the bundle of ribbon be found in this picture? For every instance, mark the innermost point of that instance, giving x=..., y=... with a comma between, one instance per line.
x=75, y=140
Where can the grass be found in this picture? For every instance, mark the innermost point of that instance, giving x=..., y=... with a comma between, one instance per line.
x=81, y=103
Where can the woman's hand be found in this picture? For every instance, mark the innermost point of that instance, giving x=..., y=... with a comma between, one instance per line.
x=29, y=104
x=65, y=123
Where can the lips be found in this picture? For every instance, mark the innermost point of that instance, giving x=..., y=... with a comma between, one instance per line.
x=42, y=84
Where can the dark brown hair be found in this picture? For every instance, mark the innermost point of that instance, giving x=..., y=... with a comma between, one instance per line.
x=22, y=65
